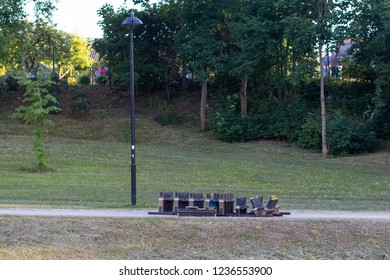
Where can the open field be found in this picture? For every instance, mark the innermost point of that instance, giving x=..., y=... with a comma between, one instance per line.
x=91, y=168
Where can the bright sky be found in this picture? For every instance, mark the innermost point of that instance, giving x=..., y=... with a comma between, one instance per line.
x=80, y=16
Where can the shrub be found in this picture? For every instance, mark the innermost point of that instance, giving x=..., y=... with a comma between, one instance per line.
x=12, y=83
x=271, y=119
x=3, y=89
x=101, y=80
x=339, y=133
x=287, y=119
x=171, y=118
x=380, y=123
x=343, y=135
x=363, y=140
x=71, y=80
x=84, y=80
x=79, y=104
x=229, y=125
x=310, y=134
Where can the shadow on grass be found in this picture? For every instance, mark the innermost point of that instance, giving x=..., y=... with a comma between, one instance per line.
x=35, y=169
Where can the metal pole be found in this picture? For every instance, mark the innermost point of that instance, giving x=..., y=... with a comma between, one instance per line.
x=132, y=22
x=132, y=122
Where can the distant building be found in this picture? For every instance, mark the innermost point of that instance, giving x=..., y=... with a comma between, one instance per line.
x=333, y=62
x=94, y=55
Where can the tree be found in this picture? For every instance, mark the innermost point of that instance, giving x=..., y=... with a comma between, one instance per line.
x=370, y=32
x=115, y=44
x=71, y=52
x=154, y=45
x=161, y=22
x=200, y=42
x=13, y=25
x=39, y=104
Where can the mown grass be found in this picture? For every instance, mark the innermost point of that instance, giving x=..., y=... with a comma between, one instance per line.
x=192, y=238
x=90, y=167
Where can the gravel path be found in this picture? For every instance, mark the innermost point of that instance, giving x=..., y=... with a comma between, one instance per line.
x=295, y=214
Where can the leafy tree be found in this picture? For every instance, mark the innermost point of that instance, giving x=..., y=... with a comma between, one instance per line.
x=114, y=46
x=154, y=45
x=71, y=53
x=200, y=42
x=13, y=27
x=370, y=32
x=39, y=104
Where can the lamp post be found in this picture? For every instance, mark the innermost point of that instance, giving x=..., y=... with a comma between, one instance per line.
x=132, y=22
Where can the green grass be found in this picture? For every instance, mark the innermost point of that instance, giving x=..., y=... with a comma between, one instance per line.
x=90, y=168
x=191, y=238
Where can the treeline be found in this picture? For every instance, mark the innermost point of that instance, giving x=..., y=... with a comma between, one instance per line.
x=258, y=61
x=257, y=65
x=27, y=44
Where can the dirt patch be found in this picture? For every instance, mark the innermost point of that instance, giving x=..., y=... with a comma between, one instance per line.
x=115, y=98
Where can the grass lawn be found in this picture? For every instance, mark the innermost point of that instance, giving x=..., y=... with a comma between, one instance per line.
x=91, y=168
x=192, y=238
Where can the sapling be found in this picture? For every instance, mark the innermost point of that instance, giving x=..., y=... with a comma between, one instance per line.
x=38, y=104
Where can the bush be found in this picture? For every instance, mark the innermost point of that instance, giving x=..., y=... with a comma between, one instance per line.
x=171, y=118
x=71, y=80
x=380, y=123
x=79, y=104
x=271, y=119
x=3, y=89
x=84, y=80
x=101, y=80
x=363, y=140
x=287, y=119
x=310, y=134
x=229, y=125
x=12, y=83
x=343, y=135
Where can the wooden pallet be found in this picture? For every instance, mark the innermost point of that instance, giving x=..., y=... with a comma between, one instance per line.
x=196, y=213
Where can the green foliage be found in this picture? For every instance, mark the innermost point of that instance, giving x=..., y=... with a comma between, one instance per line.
x=3, y=89
x=272, y=119
x=310, y=134
x=229, y=125
x=101, y=80
x=380, y=123
x=287, y=119
x=12, y=83
x=39, y=104
x=170, y=118
x=79, y=104
x=343, y=134
x=84, y=80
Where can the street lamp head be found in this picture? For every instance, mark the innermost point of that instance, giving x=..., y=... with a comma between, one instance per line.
x=132, y=21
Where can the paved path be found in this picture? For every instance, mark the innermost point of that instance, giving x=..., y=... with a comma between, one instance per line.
x=295, y=214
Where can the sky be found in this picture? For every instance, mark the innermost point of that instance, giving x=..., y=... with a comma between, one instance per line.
x=80, y=16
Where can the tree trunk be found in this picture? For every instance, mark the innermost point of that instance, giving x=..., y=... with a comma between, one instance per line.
x=323, y=110
x=203, y=107
x=244, y=84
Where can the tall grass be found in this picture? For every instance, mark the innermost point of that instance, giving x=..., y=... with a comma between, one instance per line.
x=90, y=168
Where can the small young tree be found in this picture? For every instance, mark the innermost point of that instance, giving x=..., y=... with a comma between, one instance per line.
x=38, y=106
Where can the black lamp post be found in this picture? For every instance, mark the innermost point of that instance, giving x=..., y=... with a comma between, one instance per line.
x=132, y=22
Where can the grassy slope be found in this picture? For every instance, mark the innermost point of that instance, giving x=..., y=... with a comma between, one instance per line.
x=95, y=172
x=90, y=162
